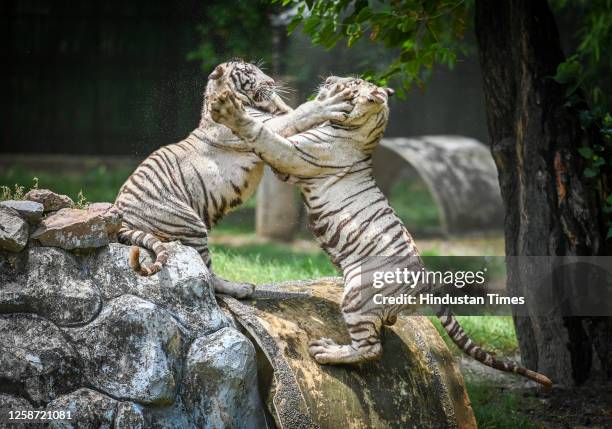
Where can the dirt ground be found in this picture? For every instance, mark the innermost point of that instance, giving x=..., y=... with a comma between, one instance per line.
x=557, y=408
x=584, y=407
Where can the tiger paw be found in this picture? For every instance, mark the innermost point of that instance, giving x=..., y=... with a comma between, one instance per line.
x=237, y=290
x=328, y=352
x=227, y=110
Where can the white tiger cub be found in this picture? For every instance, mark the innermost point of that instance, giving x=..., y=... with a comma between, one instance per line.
x=180, y=191
x=350, y=217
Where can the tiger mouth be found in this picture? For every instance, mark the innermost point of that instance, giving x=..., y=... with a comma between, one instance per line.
x=263, y=93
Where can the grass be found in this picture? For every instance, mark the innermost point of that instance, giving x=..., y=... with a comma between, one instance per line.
x=493, y=333
x=269, y=263
x=496, y=409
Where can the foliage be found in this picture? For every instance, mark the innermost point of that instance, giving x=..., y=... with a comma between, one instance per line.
x=18, y=193
x=234, y=28
x=421, y=33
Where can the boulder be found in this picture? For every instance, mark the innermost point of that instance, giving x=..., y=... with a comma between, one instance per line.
x=53, y=285
x=50, y=200
x=88, y=228
x=91, y=409
x=13, y=230
x=132, y=351
x=83, y=332
x=29, y=210
x=219, y=387
x=36, y=359
x=182, y=286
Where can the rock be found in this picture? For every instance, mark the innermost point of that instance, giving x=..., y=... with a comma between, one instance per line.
x=415, y=384
x=83, y=332
x=53, y=286
x=91, y=409
x=50, y=200
x=12, y=402
x=29, y=210
x=13, y=230
x=182, y=286
x=70, y=229
x=132, y=351
x=36, y=358
x=219, y=388
x=111, y=215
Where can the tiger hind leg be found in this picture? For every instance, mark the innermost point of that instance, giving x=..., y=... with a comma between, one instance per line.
x=365, y=343
x=220, y=285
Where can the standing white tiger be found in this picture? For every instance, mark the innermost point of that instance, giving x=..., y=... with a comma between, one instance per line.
x=349, y=215
x=180, y=191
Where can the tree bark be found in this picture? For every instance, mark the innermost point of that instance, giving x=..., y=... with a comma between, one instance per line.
x=550, y=207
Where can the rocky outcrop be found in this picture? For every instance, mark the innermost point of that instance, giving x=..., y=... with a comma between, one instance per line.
x=49, y=199
x=29, y=210
x=13, y=230
x=96, y=226
x=68, y=228
x=84, y=333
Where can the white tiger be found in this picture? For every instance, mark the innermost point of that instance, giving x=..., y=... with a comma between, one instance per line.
x=180, y=191
x=332, y=166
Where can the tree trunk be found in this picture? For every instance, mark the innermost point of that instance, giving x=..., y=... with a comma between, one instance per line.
x=550, y=207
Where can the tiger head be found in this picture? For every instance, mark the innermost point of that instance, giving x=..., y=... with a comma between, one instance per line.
x=370, y=113
x=252, y=86
x=369, y=99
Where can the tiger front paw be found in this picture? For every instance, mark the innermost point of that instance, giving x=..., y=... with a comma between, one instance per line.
x=337, y=103
x=227, y=110
x=328, y=352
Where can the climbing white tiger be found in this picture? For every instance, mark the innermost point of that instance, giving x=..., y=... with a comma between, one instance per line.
x=352, y=220
x=180, y=191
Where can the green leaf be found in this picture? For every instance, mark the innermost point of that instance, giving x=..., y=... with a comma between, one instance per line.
x=585, y=152
x=591, y=172
x=568, y=71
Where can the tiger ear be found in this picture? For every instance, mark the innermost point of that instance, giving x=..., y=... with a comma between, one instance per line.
x=216, y=73
x=389, y=91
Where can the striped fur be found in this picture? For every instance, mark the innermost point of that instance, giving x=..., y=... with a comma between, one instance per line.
x=182, y=190
x=350, y=217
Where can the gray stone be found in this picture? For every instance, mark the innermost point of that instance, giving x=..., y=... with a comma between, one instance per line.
x=219, y=387
x=50, y=200
x=74, y=336
x=132, y=350
x=14, y=402
x=29, y=210
x=36, y=358
x=13, y=230
x=70, y=229
x=91, y=409
x=182, y=286
x=54, y=286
